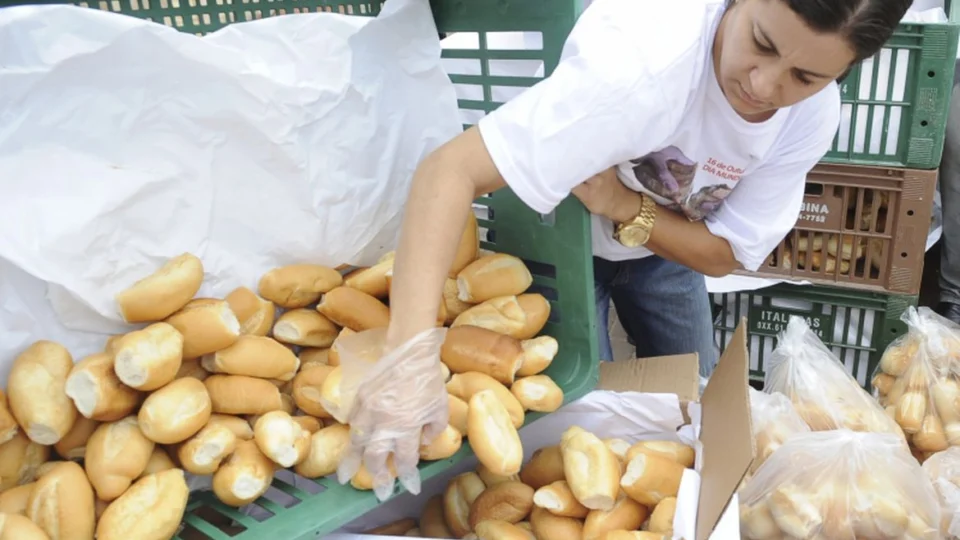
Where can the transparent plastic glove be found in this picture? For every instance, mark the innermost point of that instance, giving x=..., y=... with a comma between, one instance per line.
x=393, y=401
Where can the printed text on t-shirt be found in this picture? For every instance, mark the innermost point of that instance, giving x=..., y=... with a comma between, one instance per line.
x=722, y=170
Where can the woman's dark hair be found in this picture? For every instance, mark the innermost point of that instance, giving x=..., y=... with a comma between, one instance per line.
x=865, y=24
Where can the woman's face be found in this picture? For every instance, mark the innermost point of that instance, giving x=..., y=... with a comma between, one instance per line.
x=766, y=57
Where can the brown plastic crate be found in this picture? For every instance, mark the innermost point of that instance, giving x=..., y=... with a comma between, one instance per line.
x=879, y=215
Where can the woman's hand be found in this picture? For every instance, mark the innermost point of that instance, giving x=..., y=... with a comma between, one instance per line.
x=605, y=195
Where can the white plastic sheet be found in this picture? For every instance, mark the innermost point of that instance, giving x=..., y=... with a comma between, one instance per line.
x=124, y=142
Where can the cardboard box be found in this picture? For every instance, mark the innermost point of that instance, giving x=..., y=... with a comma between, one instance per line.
x=645, y=399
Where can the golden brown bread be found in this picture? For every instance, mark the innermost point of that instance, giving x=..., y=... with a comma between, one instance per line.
x=175, y=412
x=117, y=454
x=491, y=479
x=650, y=478
x=97, y=392
x=492, y=435
x=254, y=356
x=207, y=325
x=489, y=277
x=159, y=461
x=193, y=369
x=458, y=413
x=18, y=527
x=363, y=480
x=432, y=521
x=237, y=394
x=559, y=499
x=240, y=427
x=547, y=525
x=311, y=355
x=150, y=510
x=281, y=438
x=309, y=423
x=538, y=354
x=590, y=468
x=452, y=304
x=73, y=445
x=545, y=467
x=160, y=294
x=471, y=348
x=8, y=425
x=626, y=514
x=465, y=385
x=254, y=313
x=538, y=393
x=353, y=309
x=306, y=389
x=298, y=285
x=327, y=448
x=458, y=497
x=14, y=500
x=372, y=280
x=507, y=501
x=502, y=314
x=244, y=476
x=333, y=356
x=62, y=503
x=396, y=528
x=36, y=391
x=443, y=446
x=204, y=452
x=149, y=358
x=672, y=450
x=306, y=328
x=536, y=309
x=19, y=460
x=502, y=530
x=661, y=520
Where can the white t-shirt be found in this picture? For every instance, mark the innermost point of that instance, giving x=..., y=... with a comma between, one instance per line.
x=636, y=89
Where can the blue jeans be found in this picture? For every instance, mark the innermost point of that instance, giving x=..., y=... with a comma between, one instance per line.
x=663, y=306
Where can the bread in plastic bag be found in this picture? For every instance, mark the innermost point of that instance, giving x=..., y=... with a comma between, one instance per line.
x=943, y=469
x=774, y=421
x=840, y=485
x=802, y=368
x=918, y=381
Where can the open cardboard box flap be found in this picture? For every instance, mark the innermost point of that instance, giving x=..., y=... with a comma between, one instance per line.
x=726, y=428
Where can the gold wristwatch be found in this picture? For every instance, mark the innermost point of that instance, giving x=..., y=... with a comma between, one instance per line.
x=635, y=232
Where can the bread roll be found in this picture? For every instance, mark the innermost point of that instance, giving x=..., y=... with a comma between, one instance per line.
x=330, y=390
x=547, y=525
x=281, y=438
x=931, y=437
x=14, y=500
x=559, y=499
x=254, y=314
x=619, y=447
x=204, y=452
x=458, y=413
x=176, y=412
x=635, y=535
x=160, y=294
x=538, y=393
x=73, y=445
x=452, y=304
x=443, y=446
x=363, y=480
x=489, y=277
x=458, y=498
x=661, y=520
x=150, y=510
x=432, y=522
x=117, y=453
x=674, y=451
x=536, y=309
x=97, y=392
x=883, y=382
x=353, y=309
x=538, y=354
x=8, y=425
x=36, y=391
x=396, y=528
x=466, y=385
x=150, y=358
x=544, y=468
x=502, y=315
x=254, y=356
x=846, y=252
x=502, y=530
x=371, y=281
x=159, y=461
x=237, y=394
x=19, y=460
x=333, y=356
x=306, y=390
x=309, y=423
x=650, y=479
x=327, y=448
x=244, y=476
x=310, y=356
x=492, y=435
x=62, y=503
x=18, y=527
x=756, y=522
x=240, y=427
x=192, y=368
x=207, y=325
x=507, y=501
x=591, y=469
x=306, y=328
x=793, y=512
x=298, y=285
x=626, y=514
x=470, y=348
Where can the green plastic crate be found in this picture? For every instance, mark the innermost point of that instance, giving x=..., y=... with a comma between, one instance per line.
x=857, y=325
x=556, y=247
x=897, y=102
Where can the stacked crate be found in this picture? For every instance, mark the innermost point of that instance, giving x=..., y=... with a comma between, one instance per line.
x=862, y=231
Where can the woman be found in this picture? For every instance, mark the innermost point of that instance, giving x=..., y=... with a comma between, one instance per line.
x=694, y=124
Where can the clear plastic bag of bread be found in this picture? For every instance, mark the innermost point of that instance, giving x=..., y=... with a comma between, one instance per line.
x=774, y=421
x=393, y=401
x=802, y=368
x=840, y=485
x=918, y=381
x=943, y=469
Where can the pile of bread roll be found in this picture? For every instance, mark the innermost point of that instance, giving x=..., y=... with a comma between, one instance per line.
x=840, y=485
x=943, y=469
x=584, y=488
x=918, y=382
x=233, y=388
x=802, y=368
x=774, y=421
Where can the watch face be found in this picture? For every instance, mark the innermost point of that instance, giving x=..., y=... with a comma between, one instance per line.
x=633, y=237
